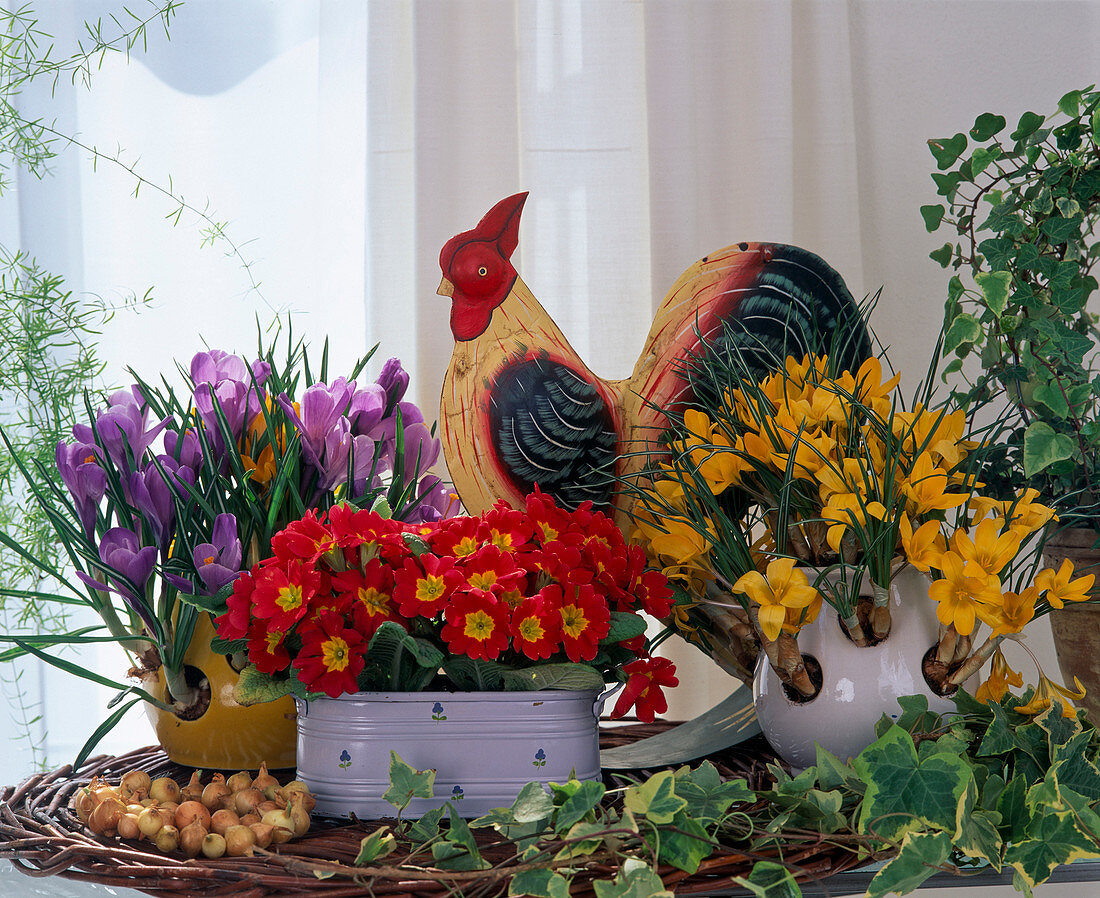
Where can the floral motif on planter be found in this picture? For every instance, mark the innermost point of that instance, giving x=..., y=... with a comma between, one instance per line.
x=540, y=758
x=456, y=794
x=437, y=712
x=345, y=759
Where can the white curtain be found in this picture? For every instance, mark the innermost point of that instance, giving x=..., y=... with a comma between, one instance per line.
x=343, y=142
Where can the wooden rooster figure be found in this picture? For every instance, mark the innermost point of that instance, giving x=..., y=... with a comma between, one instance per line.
x=519, y=409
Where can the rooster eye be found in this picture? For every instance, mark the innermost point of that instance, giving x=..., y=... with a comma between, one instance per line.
x=482, y=271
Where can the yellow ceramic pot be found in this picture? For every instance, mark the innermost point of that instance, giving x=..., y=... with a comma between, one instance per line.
x=228, y=736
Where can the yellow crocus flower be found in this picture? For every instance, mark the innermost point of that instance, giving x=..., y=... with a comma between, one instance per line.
x=924, y=546
x=1061, y=588
x=960, y=593
x=926, y=487
x=1014, y=612
x=989, y=549
x=1001, y=676
x=1048, y=692
x=782, y=587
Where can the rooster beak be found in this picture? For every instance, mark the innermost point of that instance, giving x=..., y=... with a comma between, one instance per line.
x=445, y=288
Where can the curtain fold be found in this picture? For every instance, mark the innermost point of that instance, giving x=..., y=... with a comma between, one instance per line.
x=342, y=143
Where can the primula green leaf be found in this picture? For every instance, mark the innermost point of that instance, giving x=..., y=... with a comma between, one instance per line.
x=533, y=804
x=578, y=805
x=904, y=791
x=378, y=844
x=656, y=798
x=769, y=880
x=686, y=844
x=1044, y=447
x=932, y=216
x=407, y=783
x=962, y=333
x=986, y=126
x=918, y=858
x=541, y=883
x=635, y=880
x=1030, y=122
x=476, y=674
x=947, y=150
x=624, y=625
x=255, y=688
x=943, y=255
x=994, y=286
x=563, y=675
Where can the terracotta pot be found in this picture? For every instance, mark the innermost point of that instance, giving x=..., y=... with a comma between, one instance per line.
x=228, y=736
x=1076, y=628
x=859, y=685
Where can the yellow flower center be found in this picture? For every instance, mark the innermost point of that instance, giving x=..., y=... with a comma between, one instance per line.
x=530, y=630
x=466, y=546
x=483, y=579
x=272, y=641
x=479, y=625
x=573, y=621
x=335, y=654
x=429, y=589
x=290, y=597
x=374, y=601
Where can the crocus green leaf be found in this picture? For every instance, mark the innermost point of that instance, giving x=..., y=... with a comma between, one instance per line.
x=1043, y=447
x=904, y=791
x=541, y=883
x=656, y=798
x=407, y=783
x=986, y=126
x=769, y=880
x=932, y=216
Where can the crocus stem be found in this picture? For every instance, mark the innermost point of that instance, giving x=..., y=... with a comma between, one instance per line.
x=962, y=649
x=974, y=662
x=880, y=613
x=855, y=629
x=183, y=696
x=949, y=638
x=784, y=658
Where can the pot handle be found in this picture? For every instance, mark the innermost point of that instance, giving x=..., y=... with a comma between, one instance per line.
x=601, y=699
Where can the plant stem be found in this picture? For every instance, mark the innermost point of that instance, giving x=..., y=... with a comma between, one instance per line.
x=974, y=662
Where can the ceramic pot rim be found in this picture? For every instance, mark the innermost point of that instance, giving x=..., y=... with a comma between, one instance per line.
x=544, y=695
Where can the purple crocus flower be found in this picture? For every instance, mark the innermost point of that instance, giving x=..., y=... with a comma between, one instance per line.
x=122, y=554
x=185, y=448
x=368, y=408
x=322, y=415
x=394, y=380
x=85, y=479
x=152, y=493
x=219, y=561
x=226, y=380
x=122, y=429
x=418, y=439
x=437, y=500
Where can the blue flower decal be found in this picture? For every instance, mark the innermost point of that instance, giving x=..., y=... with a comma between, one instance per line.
x=437, y=712
x=456, y=793
x=345, y=759
x=540, y=759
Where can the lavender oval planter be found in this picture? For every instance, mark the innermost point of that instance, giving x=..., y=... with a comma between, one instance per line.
x=484, y=746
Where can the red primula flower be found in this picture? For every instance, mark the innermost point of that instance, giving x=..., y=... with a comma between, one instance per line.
x=585, y=619
x=235, y=622
x=306, y=540
x=331, y=657
x=369, y=596
x=536, y=628
x=267, y=648
x=506, y=528
x=424, y=585
x=652, y=591
x=551, y=522
x=491, y=569
x=283, y=593
x=643, y=689
x=367, y=534
x=477, y=625
x=456, y=537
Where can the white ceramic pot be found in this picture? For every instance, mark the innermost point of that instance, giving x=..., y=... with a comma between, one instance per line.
x=859, y=685
x=484, y=746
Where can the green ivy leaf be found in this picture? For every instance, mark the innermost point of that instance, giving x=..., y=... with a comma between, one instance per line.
x=943, y=255
x=656, y=798
x=946, y=184
x=947, y=150
x=427, y=827
x=707, y=796
x=1070, y=104
x=1030, y=122
x=686, y=845
x=1052, y=399
x=579, y=805
x=994, y=286
x=1053, y=838
x=1062, y=229
x=918, y=858
x=932, y=216
x=584, y=838
x=976, y=833
x=986, y=125
x=378, y=844
x=769, y=880
x=981, y=159
x=962, y=333
x=636, y=879
x=903, y=791
x=832, y=773
x=532, y=805
x=1044, y=447
x=1012, y=806
x=458, y=851
x=540, y=884
x=407, y=783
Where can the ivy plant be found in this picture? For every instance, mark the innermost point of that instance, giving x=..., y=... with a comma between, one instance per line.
x=1022, y=206
x=985, y=787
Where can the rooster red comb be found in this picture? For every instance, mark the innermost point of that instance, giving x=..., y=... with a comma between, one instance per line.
x=500, y=226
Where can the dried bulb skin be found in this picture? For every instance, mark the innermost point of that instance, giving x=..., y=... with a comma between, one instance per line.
x=193, y=790
x=128, y=827
x=249, y=819
x=104, y=819
x=190, y=811
x=239, y=841
x=239, y=781
x=247, y=800
x=279, y=818
x=221, y=820
x=191, y=838
x=168, y=839
x=164, y=788
x=134, y=786
x=214, y=795
x=298, y=813
x=297, y=787
x=281, y=835
x=213, y=846
x=263, y=834
x=150, y=822
x=264, y=779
